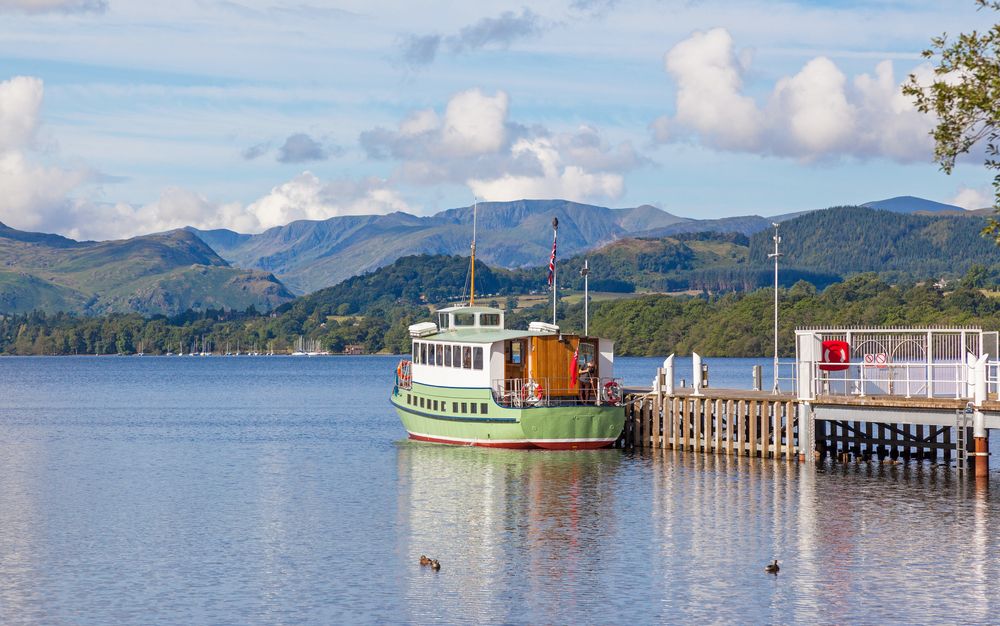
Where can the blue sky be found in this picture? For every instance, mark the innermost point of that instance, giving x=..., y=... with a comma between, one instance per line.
x=133, y=117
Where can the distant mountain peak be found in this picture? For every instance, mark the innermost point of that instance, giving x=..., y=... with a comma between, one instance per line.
x=912, y=204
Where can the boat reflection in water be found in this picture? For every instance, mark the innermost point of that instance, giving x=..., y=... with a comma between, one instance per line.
x=493, y=516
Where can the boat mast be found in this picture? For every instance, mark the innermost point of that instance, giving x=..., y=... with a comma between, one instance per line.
x=472, y=284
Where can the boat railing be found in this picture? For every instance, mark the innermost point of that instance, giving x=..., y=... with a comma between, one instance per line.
x=545, y=392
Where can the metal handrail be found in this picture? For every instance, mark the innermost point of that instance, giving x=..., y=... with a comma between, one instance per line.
x=546, y=392
x=938, y=379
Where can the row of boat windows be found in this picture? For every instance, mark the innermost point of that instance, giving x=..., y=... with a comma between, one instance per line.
x=475, y=408
x=447, y=355
x=469, y=319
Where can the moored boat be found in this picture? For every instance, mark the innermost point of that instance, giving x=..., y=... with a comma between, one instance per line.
x=473, y=382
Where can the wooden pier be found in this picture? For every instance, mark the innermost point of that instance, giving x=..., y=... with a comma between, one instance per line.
x=766, y=425
x=719, y=421
x=892, y=394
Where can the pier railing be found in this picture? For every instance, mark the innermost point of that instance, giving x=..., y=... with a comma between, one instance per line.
x=528, y=392
x=911, y=379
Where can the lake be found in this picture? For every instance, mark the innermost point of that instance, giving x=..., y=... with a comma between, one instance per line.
x=164, y=490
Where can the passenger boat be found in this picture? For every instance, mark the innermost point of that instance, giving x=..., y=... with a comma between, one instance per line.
x=472, y=381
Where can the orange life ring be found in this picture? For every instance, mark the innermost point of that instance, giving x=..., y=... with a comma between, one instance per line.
x=403, y=372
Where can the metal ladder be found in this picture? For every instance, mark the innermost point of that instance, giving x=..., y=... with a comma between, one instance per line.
x=962, y=420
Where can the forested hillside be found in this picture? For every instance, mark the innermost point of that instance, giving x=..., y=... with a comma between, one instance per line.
x=847, y=240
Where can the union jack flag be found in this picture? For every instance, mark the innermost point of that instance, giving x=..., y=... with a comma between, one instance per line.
x=552, y=259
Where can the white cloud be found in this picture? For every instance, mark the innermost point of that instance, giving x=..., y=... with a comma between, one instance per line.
x=709, y=86
x=474, y=143
x=556, y=180
x=474, y=123
x=20, y=103
x=972, y=199
x=32, y=195
x=816, y=113
x=306, y=197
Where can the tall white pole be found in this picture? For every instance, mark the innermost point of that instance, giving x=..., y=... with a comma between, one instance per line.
x=586, y=297
x=775, y=255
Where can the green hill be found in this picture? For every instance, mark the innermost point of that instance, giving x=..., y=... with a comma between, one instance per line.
x=850, y=240
x=164, y=273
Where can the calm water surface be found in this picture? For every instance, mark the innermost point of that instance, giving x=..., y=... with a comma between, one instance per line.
x=281, y=490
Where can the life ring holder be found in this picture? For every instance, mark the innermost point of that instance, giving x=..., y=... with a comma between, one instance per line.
x=404, y=374
x=836, y=356
x=531, y=393
x=611, y=392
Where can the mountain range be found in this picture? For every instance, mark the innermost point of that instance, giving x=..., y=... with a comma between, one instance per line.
x=166, y=273
x=310, y=255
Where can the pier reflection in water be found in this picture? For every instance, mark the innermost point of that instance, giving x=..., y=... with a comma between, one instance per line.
x=543, y=537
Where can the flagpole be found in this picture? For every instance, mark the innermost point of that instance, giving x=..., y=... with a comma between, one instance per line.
x=555, y=291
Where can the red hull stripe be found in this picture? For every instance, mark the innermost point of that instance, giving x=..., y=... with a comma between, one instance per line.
x=537, y=443
x=482, y=444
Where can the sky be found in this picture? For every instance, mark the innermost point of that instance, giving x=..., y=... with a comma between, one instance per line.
x=121, y=117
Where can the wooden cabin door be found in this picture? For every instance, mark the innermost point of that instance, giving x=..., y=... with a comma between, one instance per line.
x=515, y=359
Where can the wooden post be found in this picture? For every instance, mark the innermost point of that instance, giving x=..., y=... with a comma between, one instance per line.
x=776, y=429
x=678, y=422
x=789, y=430
x=741, y=427
x=668, y=421
x=718, y=427
x=730, y=431
x=752, y=414
x=657, y=422
x=696, y=407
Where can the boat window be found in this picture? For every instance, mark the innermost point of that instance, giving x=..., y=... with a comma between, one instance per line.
x=472, y=407
x=484, y=408
x=416, y=353
x=442, y=321
x=467, y=357
x=430, y=354
x=421, y=402
x=435, y=405
x=587, y=354
x=440, y=354
x=465, y=319
x=464, y=409
x=457, y=358
x=477, y=358
x=454, y=407
x=514, y=352
x=408, y=399
x=447, y=356
x=423, y=353
x=489, y=319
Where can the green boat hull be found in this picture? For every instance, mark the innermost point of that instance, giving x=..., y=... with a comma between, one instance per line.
x=466, y=416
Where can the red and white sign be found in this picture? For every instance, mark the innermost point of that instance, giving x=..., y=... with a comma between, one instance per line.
x=877, y=359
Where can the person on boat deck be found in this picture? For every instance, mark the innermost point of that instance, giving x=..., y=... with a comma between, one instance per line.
x=585, y=375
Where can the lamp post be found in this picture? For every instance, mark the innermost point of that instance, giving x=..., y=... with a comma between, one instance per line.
x=775, y=255
x=585, y=272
